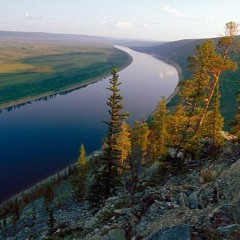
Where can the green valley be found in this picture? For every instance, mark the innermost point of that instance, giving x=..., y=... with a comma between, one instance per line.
x=31, y=68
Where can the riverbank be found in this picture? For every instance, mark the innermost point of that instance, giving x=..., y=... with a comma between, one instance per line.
x=82, y=84
x=179, y=71
x=138, y=103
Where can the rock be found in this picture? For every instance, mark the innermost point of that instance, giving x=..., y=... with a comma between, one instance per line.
x=92, y=223
x=121, y=212
x=115, y=234
x=179, y=232
x=228, y=229
x=195, y=200
x=226, y=214
x=182, y=200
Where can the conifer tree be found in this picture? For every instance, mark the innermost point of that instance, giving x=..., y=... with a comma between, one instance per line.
x=82, y=173
x=219, y=63
x=51, y=222
x=124, y=143
x=176, y=125
x=235, y=125
x=214, y=122
x=107, y=177
x=159, y=127
x=196, y=95
x=140, y=134
x=82, y=162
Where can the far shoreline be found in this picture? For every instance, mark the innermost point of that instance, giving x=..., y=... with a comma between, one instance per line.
x=82, y=84
x=179, y=72
x=75, y=87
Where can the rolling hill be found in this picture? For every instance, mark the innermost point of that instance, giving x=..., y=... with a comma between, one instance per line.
x=177, y=52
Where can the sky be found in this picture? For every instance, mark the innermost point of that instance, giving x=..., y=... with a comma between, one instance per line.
x=158, y=20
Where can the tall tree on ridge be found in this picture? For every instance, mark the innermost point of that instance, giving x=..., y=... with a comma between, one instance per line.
x=108, y=176
x=220, y=63
x=196, y=95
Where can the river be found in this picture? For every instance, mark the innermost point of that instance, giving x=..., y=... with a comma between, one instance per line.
x=40, y=138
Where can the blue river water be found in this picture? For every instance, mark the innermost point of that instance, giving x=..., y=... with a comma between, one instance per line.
x=42, y=137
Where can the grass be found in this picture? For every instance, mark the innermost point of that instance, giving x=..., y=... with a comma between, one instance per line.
x=30, y=69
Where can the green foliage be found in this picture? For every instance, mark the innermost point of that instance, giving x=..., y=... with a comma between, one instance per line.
x=159, y=128
x=124, y=145
x=45, y=68
x=235, y=125
x=140, y=138
x=107, y=177
x=80, y=180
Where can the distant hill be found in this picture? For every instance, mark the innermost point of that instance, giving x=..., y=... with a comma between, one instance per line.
x=178, y=52
x=42, y=36
x=50, y=36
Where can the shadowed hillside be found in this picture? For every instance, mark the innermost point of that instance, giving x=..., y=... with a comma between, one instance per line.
x=179, y=51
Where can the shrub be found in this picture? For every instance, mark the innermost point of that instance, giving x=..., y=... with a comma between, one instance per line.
x=208, y=175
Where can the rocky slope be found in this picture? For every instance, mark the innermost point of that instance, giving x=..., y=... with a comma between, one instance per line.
x=202, y=203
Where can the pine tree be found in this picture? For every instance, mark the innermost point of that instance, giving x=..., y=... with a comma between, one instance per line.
x=124, y=143
x=219, y=63
x=82, y=174
x=140, y=134
x=106, y=177
x=159, y=127
x=214, y=122
x=176, y=125
x=196, y=95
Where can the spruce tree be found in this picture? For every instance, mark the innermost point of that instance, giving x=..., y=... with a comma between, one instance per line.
x=106, y=176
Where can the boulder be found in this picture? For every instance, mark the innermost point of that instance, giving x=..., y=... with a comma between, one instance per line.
x=182, y=200
x=179, y=232
x=115, y=234
x=228, y=229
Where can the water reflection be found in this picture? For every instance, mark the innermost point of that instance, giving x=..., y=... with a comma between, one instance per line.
x=40, y=137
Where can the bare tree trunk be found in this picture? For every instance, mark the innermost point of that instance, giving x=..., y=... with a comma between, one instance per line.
x=209, y=98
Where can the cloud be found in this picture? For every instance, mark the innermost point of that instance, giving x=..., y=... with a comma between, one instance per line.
x=124, y=24
x=28, y=16
x=208, y=18
x=165, y=74
x=174, y=12
x=177, y=14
